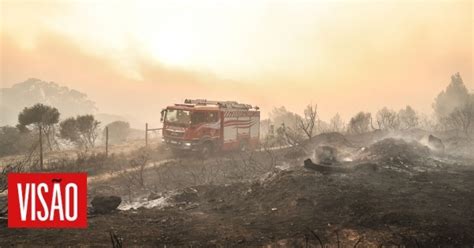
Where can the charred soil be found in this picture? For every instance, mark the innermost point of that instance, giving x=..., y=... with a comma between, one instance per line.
x=367, y=206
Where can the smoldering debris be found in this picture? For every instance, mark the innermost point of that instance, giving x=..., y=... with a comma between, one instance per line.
x=158, y=203
x=326, y=155
x=436, y=143
x=389, y=153
x=395, y=151
x=331, y=148
x=325, y=168
x=400, y=154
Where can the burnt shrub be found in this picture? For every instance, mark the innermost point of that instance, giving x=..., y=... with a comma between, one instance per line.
x=93, y=164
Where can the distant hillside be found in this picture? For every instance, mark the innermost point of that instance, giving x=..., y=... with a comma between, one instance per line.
x=106, y=119
x=69, y=102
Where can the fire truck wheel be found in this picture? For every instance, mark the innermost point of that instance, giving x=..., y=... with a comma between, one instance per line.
x=206, y=149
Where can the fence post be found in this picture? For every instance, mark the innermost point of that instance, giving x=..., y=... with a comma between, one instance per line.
x=41, y=145
x=106, y=142
x=146, y=134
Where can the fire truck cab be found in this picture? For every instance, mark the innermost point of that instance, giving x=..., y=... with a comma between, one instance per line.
x=209, y=126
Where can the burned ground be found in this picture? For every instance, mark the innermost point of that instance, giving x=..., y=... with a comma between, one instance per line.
x=394, y=192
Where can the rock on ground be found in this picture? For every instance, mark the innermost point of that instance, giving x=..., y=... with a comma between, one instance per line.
x=436, y=143
x=105, y=204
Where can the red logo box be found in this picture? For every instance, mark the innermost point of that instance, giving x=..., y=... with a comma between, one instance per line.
x=47, y=200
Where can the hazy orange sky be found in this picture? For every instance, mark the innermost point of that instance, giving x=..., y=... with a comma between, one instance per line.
x=134, y=57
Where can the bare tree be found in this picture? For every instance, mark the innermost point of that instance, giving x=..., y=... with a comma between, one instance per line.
x=462, y=118
x=290, y=135
x=308, y=122
x=387, y=119
x=321, y=127
x=427, y=122
x=139, y=163
x=336, y=124
x=134, y=175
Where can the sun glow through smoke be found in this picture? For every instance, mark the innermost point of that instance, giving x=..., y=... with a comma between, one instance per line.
x=366, y=53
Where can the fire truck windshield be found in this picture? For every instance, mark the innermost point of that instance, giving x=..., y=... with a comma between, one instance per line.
x=178, y=116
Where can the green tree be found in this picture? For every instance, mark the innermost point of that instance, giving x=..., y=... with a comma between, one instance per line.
x=408, y=118
x=68, y=130
x=454, y=106
x=455, y=96
x=336, y=124
x=118, y=131
x=88, y=129
x=360, y=123
x=82, y=130
x=41, y=117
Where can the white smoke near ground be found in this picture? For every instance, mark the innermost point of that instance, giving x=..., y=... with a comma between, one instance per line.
x=158, y=203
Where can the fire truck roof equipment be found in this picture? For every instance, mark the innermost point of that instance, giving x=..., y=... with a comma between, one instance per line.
x=221, y=104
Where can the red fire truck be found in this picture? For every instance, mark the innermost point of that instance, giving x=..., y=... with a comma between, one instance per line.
x=208, y=126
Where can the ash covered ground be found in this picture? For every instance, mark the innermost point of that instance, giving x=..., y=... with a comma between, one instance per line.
x=367, y=190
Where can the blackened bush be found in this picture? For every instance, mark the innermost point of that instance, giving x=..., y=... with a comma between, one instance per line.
x=93, y=164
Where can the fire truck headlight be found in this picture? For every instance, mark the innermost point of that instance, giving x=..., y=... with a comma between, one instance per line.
x=187, y=144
